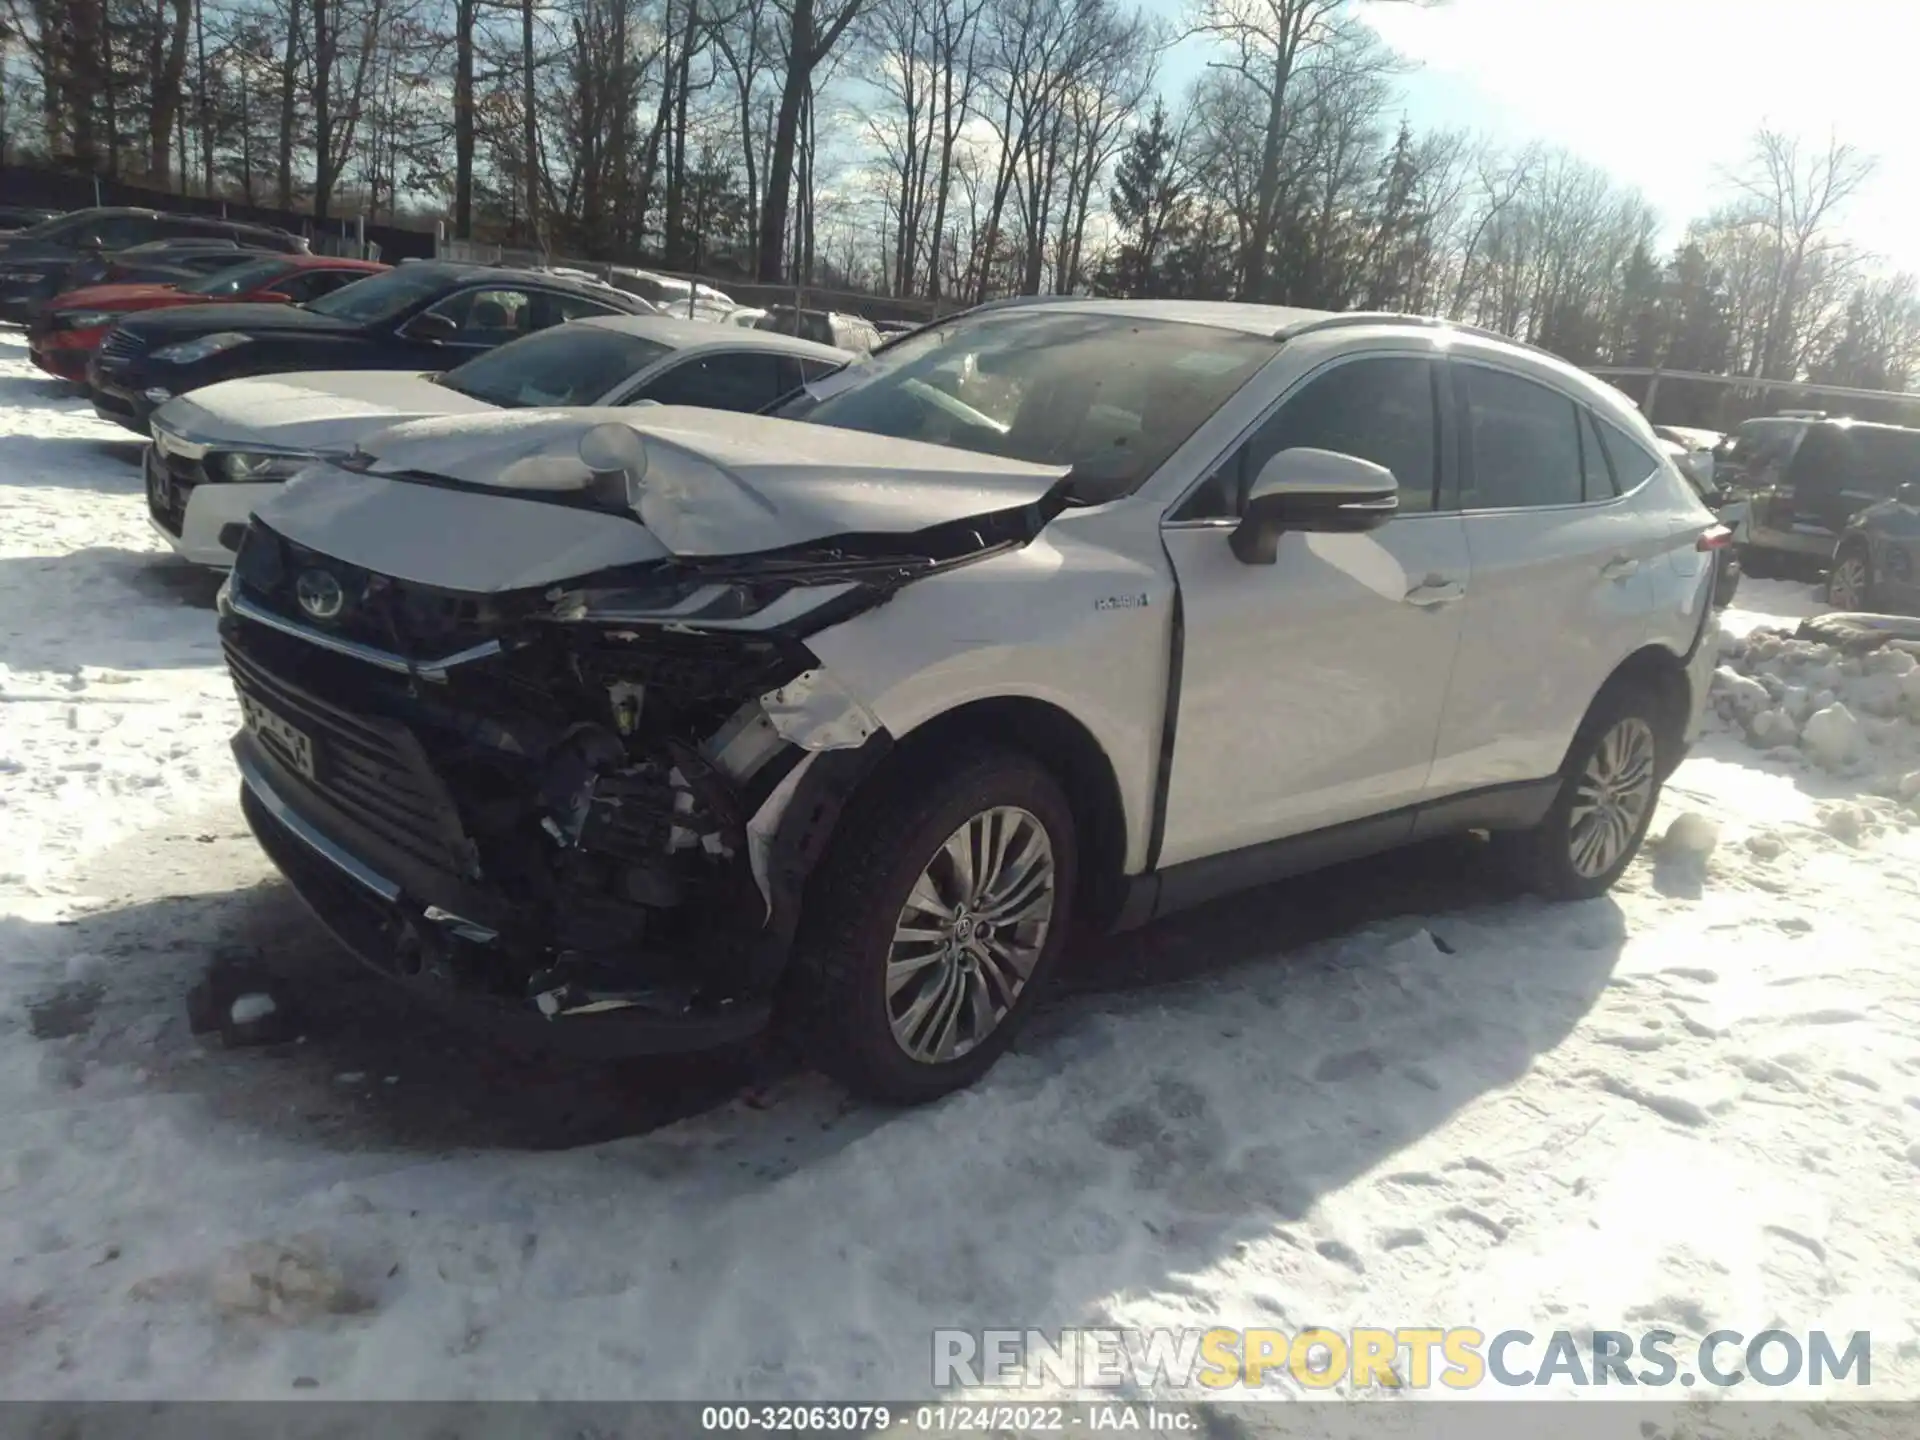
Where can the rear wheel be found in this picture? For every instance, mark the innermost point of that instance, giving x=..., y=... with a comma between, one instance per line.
x=934, y=925
x=1609, y=789
x=1850, y=582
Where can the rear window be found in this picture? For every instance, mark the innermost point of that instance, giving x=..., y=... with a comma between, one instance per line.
x=239, y=279
x=1866, y=461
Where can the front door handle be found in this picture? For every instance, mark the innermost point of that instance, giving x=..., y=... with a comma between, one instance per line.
x=1620, y=568
x=1434, y=591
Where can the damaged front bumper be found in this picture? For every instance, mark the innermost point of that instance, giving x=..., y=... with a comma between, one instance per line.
x=588, y=836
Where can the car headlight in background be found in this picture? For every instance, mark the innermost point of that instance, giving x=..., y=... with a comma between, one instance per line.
x=252, y=466
x=189, y=351
x=84, y=319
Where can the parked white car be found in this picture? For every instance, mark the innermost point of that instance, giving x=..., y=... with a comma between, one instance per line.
x=1057, y=615
x=220, y=450
x=673, y=296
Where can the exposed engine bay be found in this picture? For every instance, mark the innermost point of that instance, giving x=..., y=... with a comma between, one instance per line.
x=567, y=798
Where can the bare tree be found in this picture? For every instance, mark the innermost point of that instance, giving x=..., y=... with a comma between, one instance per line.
x=1795, y=194
x=812, y=30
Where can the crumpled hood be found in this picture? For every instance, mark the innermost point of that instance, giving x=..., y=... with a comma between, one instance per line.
x=715, y=484
x=312, y=410
x=719, y=483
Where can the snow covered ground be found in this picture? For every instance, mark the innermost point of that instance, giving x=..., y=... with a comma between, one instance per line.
x=1393, y=1096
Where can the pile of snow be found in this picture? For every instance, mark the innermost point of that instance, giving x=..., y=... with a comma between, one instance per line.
x=1853, y=716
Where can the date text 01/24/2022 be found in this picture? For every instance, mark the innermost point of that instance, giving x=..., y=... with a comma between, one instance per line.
x=950, y=1418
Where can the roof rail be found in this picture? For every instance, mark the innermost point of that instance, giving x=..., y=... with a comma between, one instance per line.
x=1008, y=302
x=1394, y=317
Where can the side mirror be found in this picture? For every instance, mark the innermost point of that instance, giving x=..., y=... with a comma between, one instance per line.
x=1316, y=490
x=431, y=329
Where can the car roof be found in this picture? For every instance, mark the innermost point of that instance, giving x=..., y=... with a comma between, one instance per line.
x=684, y=334
x=1273, y=320
x=332, y=262
x=457, y=271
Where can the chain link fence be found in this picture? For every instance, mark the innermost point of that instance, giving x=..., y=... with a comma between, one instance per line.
x=701, y=294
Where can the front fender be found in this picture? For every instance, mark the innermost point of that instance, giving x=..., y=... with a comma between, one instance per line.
x=1059, y=621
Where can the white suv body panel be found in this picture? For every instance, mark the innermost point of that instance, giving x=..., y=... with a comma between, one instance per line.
x=1305, y=694
x=1311, y=691
x=1073, y=620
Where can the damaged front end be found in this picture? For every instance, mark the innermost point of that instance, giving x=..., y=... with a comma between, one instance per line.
x=570, y=801
x=524, y=731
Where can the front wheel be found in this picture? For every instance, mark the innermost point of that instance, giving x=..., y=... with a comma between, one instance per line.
x=934, y=924
x=1850, y=582
x=1608, y=793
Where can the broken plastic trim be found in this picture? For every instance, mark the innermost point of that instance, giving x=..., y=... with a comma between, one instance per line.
x=816, y=712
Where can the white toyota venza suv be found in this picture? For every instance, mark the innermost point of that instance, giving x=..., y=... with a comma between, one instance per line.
x=639, y=730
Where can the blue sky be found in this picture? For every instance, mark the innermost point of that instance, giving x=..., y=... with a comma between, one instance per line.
x=1664, y=93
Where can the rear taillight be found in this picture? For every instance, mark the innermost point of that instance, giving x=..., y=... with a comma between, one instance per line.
x=1718, y=538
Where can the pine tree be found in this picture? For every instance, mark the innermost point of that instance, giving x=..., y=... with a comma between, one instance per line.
x=1149, y=205
x=1400, y=239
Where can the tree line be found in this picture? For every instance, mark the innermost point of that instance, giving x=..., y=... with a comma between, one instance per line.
x=954, y=150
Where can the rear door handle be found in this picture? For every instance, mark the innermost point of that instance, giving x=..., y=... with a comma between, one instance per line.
x=1620, y=567
x=1434, y=591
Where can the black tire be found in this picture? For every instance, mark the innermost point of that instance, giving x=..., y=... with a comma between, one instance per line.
x=1542, y=858
x=1856, y=603
x=837, y=1002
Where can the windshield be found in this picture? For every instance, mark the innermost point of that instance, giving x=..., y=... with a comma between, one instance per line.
x=567, y=365
x=238, y=280
x=1110, y=395
x=384, y=296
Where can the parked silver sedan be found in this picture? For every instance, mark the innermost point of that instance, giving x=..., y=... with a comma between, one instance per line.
x=221, y=450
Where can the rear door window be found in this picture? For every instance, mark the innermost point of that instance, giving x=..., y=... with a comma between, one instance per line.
x=117, y=232
x=1630, y=461
x=488, y=317
x=1524, y=440
x=551, y=308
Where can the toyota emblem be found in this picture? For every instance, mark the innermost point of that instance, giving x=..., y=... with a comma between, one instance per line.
x=319, y=594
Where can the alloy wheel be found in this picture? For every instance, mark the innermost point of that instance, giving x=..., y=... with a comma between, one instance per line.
x=1847, y=587
x=1612, y=799
x=971, y=931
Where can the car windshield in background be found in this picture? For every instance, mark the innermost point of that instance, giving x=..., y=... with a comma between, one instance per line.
x=568, y=365
x=239, y=279
x=52, y=228
x=1112, y=396
x=382, y=297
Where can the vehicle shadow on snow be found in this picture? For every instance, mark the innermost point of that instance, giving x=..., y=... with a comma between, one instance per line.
x=72, y=462
x=122, y=584
x=348, y=1062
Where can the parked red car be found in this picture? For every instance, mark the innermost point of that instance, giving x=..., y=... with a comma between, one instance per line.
x=70, y=327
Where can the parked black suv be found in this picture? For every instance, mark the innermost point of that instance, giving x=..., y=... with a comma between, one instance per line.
x=1806, y=479
x=425, y=316
x=1876, y=565
x=35, y=262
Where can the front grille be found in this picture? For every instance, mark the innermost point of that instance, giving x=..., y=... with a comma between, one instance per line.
x=369, y=768
x=379, y=610
x=185, y=472
x=168, y=506
x=120, y=345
